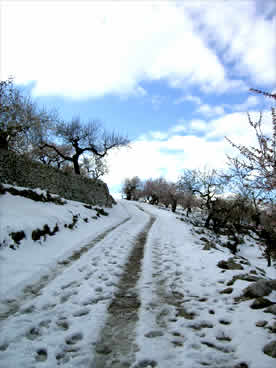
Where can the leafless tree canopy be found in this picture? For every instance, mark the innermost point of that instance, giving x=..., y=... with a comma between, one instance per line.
x=83, y=138
x=21, y=121
x=258, y=164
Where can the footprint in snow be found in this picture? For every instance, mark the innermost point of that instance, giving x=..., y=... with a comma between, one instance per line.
x=49, y=306
x=70, y=284
x=64, y=298
x=46, y=323
x=4, y=347
x=33, y=333
x=62, y=324
x=81, y=312
x=41, y=355
x=74, y=338
x=88, y=275
x=27, y=310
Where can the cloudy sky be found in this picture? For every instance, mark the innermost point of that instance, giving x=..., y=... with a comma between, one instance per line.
x=172, y=75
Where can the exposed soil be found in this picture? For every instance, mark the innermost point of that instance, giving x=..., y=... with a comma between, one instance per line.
x=116, y=347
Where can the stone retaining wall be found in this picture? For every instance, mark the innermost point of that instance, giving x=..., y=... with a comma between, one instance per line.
x=18, y=170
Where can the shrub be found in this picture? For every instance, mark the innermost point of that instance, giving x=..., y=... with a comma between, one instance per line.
x=101, y=211
x=88, y=206
x=38, y=233
x=17, y=236
x=75, y=220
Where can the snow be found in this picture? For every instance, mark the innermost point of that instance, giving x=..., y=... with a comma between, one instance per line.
x=56, y=302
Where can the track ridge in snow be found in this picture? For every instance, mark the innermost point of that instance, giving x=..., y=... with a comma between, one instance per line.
x=30, y=292
x=116, y=347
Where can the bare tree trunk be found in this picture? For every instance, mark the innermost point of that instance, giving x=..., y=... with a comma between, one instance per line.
x=4, y=145
x=174, y=204
x=76, y=165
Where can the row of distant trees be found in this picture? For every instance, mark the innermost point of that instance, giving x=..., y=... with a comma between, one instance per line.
x=234, y=200
x=40, y=134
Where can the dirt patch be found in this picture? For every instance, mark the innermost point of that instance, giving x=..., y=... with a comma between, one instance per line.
x=116, y=347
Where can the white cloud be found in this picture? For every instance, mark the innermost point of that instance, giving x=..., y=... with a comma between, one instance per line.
x=236, y=127
x=198, y=125
x=179, y=128
x=194, y=99
x=158, y=135
x=250, y=102
x=136, y=92
x=245, y=36
x=147, y=158
x=209, y=110
x=149, y=155
x=93, y=48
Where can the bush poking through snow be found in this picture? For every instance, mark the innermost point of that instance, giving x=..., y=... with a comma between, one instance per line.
x=101, y=211
x=73, y=223
x=88, y=206
x=17, y=236
x=38, y=233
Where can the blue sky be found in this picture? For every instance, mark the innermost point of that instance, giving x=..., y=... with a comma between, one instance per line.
x=172, y=75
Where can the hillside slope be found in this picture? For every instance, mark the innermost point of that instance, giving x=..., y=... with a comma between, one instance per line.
x=137, y=288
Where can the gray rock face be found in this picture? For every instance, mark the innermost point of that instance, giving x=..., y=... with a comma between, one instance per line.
x=258, y=289
x=19, y=170
x=270, y=349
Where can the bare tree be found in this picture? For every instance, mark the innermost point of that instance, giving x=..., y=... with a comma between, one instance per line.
x=94, y=166
x=259, y=163
x=132, y=188
x=187, y=200
x=256, y=167
x=83, y=138
x=49, y=157
x=207, y=183
x=151, y=192
x=21, y=121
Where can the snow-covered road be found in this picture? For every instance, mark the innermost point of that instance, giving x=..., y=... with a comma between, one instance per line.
x=142, y=293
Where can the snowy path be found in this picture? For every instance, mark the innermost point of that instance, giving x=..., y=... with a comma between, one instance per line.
x=174, y=297
x=59, y=321
x=141, y=294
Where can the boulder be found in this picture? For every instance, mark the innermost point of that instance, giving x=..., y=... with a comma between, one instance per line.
x=244, y=277
x=230, y=264
x=271, y=309
x=270, y=349
x=258, y=289
x=261, y=303
x=226, y=291
x=272, y=328
x=261, y=323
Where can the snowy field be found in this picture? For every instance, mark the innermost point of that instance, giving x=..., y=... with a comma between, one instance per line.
x=131, y=289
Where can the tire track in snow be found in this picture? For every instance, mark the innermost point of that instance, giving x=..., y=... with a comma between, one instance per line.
x=172, y=319
x=116, y=347
x=30, y=292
